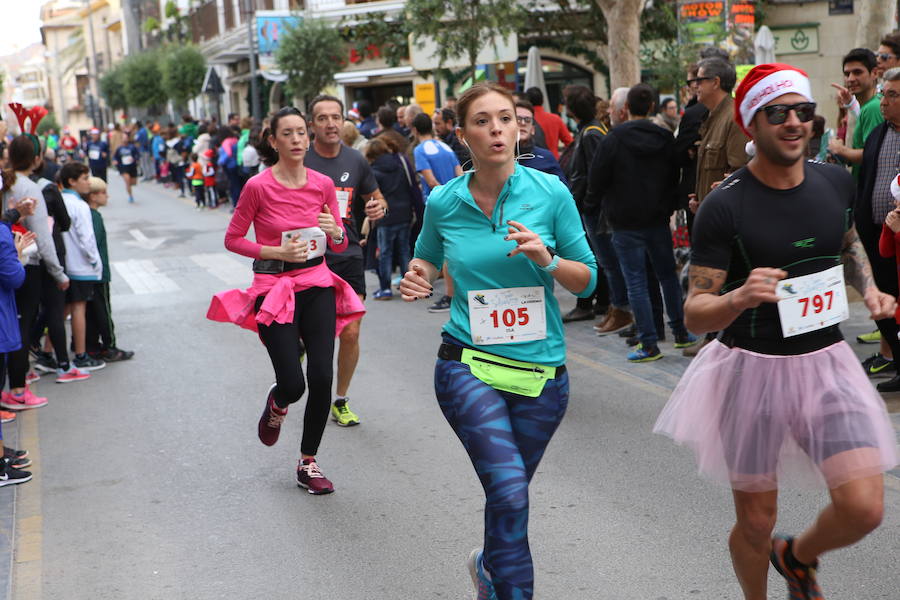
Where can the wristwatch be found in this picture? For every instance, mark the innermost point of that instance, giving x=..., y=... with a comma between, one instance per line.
x=340, y=240
x=554, y=261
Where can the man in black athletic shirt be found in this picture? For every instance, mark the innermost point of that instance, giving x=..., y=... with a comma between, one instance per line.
x=358, y=197
x=780, y=395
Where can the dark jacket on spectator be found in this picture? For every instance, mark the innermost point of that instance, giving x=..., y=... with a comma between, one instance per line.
x=635, y=174
x=577, y=169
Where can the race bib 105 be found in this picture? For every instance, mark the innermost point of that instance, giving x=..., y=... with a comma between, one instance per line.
x=507, y=315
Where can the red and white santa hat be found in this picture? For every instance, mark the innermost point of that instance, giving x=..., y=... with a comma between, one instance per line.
x=765, y=83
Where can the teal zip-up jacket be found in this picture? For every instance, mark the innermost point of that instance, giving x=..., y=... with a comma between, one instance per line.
x=456, y=230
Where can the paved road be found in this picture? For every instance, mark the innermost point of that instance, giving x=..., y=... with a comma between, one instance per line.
x=150, y=482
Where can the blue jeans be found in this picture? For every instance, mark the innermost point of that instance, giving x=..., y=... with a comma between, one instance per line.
x=505, y=436
x=609, y=262
x=633, y=247
x=391, y=238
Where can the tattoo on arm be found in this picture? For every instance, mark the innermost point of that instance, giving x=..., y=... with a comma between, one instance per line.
x=706, y=280
x=856, y=263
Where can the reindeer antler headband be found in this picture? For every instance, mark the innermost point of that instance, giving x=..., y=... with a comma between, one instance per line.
x=35, y=115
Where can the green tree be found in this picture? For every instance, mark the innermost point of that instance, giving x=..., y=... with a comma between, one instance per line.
x=183, y=69
x=47, y=123
x=112, y=87
x=310, y=54
x=462, y=28
x=142, y=80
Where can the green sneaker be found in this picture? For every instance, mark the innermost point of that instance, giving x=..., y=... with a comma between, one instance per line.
x=342, y=414
x=876, y=363
x=869, y=338
x=641, y=354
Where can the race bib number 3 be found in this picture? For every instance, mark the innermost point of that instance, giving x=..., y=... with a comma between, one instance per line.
x=314, y=238
x=507, y=315
x=812, y=302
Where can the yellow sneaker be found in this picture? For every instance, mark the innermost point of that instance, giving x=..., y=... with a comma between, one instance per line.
x=342, y=415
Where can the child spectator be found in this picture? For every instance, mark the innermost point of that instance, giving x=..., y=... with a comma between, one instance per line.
x=83, y=264
x=100, y=339
x=209, y=178
x=194, y=174
x=889, y=244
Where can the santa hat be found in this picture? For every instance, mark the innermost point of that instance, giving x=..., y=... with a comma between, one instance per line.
x=765, y=83
x=95, y=131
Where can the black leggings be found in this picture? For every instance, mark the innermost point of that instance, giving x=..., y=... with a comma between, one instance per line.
x=314, y=323
x=28, y=298
x=51, y=317
x=100, y=333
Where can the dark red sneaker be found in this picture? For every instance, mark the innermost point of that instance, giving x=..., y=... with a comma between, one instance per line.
x=271, y=419
x=801, y=579
x=310, y=477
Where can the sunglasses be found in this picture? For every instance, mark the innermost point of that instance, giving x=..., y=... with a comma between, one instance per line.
x=885, y=56
x=776, y=114
x=697, y=80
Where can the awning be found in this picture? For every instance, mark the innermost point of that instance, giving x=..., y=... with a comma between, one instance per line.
x=361, y=76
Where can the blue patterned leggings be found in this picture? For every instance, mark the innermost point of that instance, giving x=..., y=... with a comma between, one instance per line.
x=505, y=436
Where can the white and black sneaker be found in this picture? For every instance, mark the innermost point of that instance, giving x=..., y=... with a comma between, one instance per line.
x=12, y=476
x=88, y=363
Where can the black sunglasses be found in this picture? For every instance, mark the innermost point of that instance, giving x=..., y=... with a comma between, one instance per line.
x=776, y=114
x=698, y=80
x=885, y=56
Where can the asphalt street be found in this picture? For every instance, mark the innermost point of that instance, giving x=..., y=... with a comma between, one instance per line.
x=150, y=482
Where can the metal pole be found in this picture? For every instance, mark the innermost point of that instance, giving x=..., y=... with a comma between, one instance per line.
x=254, y=85
x=92, y=64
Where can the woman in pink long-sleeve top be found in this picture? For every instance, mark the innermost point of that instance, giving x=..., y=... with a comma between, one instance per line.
x=294, y=295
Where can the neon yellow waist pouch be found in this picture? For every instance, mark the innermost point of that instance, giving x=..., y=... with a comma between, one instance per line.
x=507, y=375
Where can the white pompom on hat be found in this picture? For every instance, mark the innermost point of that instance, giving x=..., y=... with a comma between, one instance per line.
x=765, y=83
x=895, y=188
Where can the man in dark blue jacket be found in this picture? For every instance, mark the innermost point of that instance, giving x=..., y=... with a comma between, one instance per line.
x=635, y=165
x=537, y=158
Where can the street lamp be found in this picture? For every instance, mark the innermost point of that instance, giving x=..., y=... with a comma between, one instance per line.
x=254, y=85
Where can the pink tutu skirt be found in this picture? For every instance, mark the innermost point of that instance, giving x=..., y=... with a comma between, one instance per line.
x=752, y=420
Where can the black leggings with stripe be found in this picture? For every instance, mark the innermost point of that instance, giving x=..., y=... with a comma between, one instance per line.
x=314, y=323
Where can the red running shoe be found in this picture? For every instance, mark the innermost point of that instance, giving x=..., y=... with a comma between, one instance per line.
x=23, y=401
x=801, y=579
x=271, y=420
x=310, y=477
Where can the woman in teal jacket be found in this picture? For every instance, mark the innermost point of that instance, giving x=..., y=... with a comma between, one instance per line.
x=508, y=234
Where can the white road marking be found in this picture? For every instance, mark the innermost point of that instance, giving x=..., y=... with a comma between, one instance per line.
x=224, y=267
x=144, y=278
x=142, y=241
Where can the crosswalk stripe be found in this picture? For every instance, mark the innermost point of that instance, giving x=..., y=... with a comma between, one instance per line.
x=143, y=277
x=224, y=267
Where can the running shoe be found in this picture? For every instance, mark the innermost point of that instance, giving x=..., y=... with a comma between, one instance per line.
x=876, y=363
x=801, y=579
x=45, y=363
x=383, y=295
x=484, y=589
x=641, y=354
x=73, y=374
x=86, y=363
x=442, y=305
x=10, y=476
x=869, y=338
x=13, y=453
x=24, y=401
x=7, y=416
x=270, y=422
x=31, y=377
x=685, y=340
x=18, y=463
x=343, y=416
x=113, y=354
x=311, y=478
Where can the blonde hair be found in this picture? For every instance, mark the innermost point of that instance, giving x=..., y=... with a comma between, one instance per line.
x=97, y=185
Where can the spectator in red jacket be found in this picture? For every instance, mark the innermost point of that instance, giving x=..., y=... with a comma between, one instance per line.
x=555, y=131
